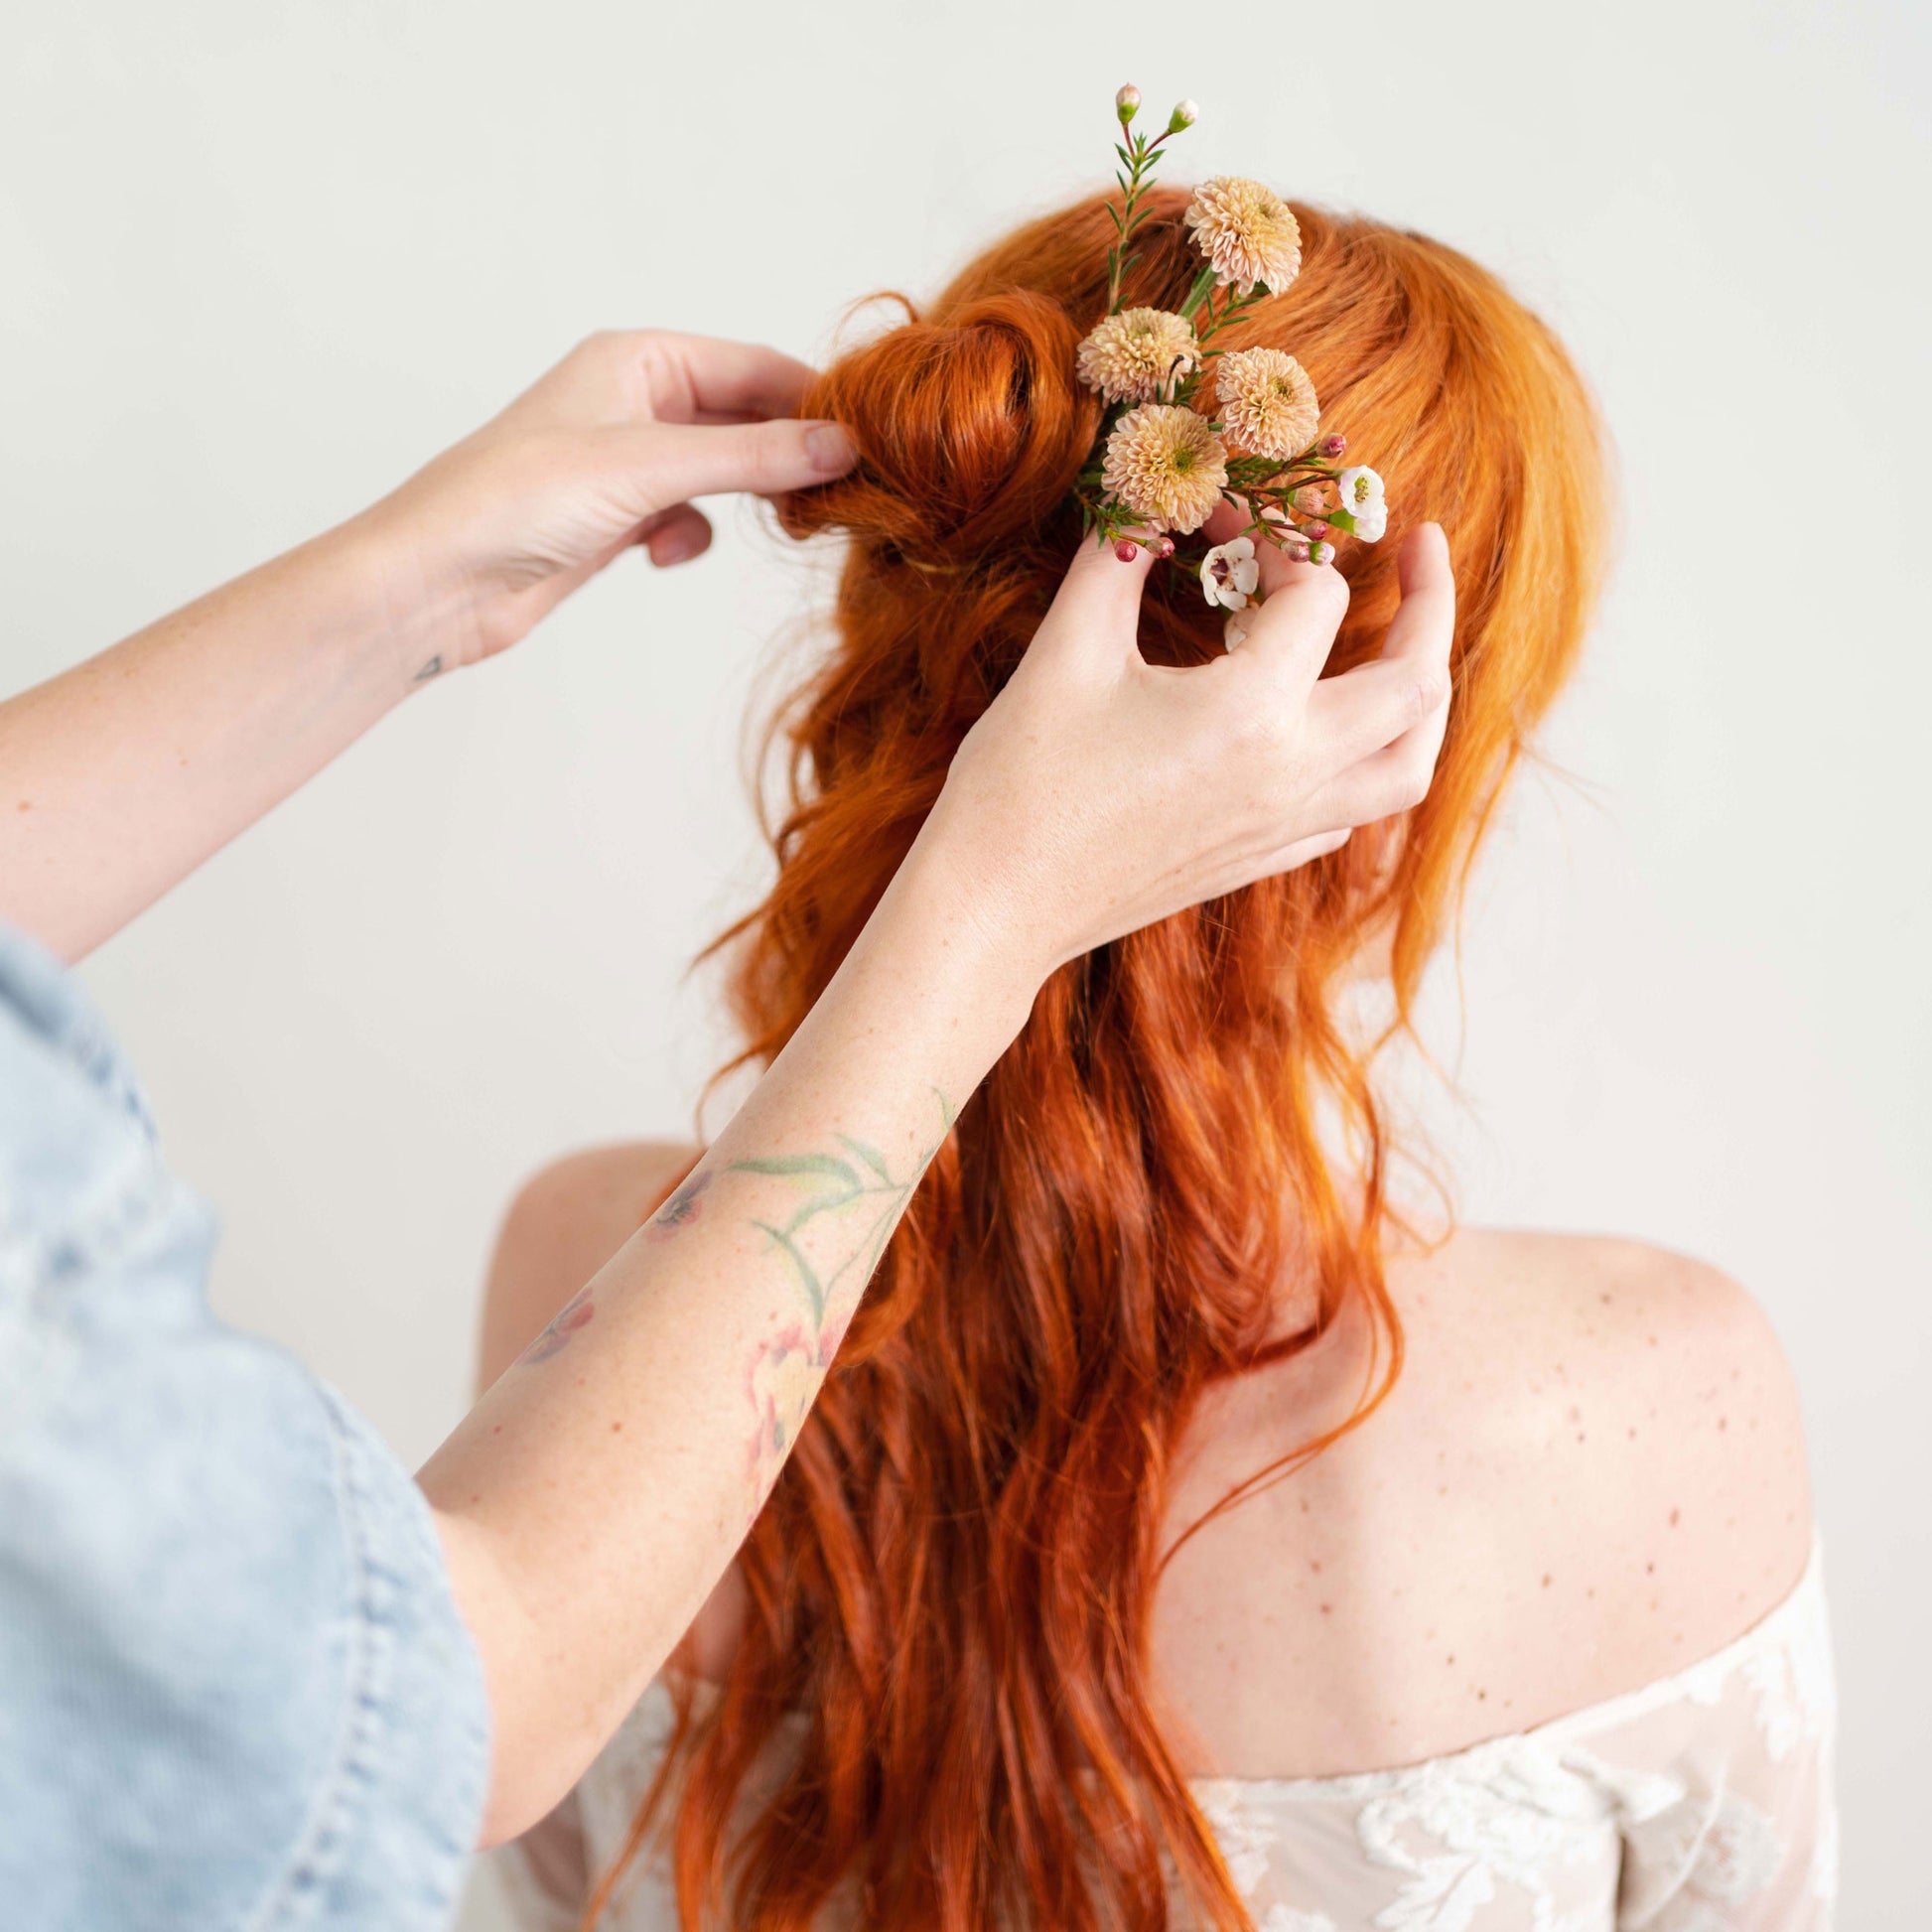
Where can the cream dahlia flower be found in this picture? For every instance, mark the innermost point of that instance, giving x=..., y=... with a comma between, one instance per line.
x=1129, y=357
x=1247, y=232
x=1167, y=466
x=1229, y=573
x=1267, y=405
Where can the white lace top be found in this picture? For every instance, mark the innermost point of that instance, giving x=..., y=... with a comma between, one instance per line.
x=1701, y=1803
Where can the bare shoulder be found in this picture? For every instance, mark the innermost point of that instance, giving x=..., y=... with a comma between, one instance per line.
x=562, y=1225
x=1638, y=1409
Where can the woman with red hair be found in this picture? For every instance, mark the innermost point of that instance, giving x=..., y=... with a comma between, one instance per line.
x=1184, y=1532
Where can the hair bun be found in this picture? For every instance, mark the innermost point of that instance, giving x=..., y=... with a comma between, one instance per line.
x=969, y=432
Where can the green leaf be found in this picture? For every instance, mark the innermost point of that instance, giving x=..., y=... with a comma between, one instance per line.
x=823, y=1204
x=871, y=1155
x=813, y=1287
x=797, y=1165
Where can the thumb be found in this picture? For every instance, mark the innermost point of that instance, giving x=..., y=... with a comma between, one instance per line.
x=673, y=462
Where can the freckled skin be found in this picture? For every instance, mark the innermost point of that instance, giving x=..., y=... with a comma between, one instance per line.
x=1545, y=1513
x=1558, y=1579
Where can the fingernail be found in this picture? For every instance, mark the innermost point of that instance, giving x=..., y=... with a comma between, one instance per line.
x=829, y=448
x=677, y=548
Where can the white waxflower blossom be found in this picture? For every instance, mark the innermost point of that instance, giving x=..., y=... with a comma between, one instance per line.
x=1361, y=488
x=1234, y=632
x=1370, y=523
x=1229, y=573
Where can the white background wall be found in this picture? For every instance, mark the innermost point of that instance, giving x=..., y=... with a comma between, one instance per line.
x=257, y=260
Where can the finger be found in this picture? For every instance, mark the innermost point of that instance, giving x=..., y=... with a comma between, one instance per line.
x=670, y=462
x=742, y=379
x=1424, y=625
x=675, y=537
x=1365, y=710
x=1226, y=519
x=1294, y=630
x=1375, y=703
x=1394, y=779
x=1097, y=605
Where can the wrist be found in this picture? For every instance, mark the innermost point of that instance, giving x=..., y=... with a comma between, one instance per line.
x=958, y=928
x=412, y=616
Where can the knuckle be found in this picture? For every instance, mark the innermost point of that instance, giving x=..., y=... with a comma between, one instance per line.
x=1257, y=729
x=600, y=345
x=1431, y=688
x=1328, y=589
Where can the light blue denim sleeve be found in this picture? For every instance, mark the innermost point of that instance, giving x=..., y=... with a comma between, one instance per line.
x=234, y=1689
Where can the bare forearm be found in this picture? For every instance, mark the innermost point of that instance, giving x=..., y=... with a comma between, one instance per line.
x=120, y=776
x=594, y=1495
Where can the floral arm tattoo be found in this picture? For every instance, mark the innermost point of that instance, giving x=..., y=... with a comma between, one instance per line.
x=858, y=1190
x=831, y=1241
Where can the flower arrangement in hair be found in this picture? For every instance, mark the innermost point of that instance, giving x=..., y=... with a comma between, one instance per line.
x=1160, y=466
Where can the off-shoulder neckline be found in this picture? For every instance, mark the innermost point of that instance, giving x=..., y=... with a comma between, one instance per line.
x=1606, y=1714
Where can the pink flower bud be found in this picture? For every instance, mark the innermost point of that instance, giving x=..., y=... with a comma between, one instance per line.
x=1164, y=547
x=1322, y=553
x=1334, y=445
x=1127, y=550
x=1185, y=114
x=1127, y=104
x=1316, y=531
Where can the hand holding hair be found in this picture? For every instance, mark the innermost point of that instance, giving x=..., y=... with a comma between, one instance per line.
x=1099, y=792
x=128, y=771
x=600, y=454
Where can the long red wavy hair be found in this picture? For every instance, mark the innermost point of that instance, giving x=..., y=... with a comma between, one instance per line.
x=952, y=1580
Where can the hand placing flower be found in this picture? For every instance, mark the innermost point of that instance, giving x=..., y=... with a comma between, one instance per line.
x=1229, y=573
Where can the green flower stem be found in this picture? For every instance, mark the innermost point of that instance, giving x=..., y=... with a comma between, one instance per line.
x=1138, y=157
x=1203, y=283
